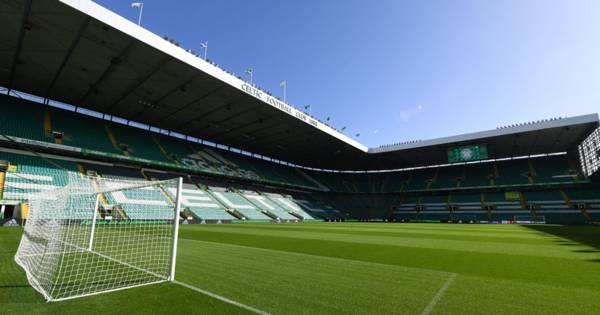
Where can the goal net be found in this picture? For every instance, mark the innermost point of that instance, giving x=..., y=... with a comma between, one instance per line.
x=98, y=235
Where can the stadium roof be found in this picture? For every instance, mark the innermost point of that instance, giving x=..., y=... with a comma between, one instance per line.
x=77, y=52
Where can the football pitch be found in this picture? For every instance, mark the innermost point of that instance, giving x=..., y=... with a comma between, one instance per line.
x=350, y=268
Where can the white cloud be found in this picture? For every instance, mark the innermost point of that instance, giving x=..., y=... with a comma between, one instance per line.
x=407, y=114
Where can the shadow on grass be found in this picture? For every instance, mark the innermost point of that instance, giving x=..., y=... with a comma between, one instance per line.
x=573, y=235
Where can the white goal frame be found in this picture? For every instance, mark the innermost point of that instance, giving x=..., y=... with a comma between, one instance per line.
x=529, y=219
x=69, y=251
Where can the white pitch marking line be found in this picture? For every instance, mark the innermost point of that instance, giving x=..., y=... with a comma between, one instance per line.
x=436, y=298
x=221, y=298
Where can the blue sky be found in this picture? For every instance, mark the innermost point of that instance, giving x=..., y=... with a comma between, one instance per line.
x=396, y=70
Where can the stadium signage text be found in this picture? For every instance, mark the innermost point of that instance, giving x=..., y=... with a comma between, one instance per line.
x=278, y=104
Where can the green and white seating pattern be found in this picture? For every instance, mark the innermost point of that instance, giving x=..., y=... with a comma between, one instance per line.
x=30, y=175
x=263, y=203
x=235, y=201
x=289, y=205
x=315, y=209
x=146, y=203
x=201, y=203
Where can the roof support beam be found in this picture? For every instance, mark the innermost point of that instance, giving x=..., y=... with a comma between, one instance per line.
x=113, y=63
x=133, y=87
x=21, y=38
x=240, y=113
x=242, y=126
x=211, y=92
x=187, y=122
x=70, y=50
x=164, y=96
x=266, y=127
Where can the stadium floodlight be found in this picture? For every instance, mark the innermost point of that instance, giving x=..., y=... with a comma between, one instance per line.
x=98, y=235
x=283, y=84
x=250, y=72
x=205, y=46
x=139, y=5
x=308, y=108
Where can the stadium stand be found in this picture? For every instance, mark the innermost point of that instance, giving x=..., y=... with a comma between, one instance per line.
x=28, y=173
x=196, y=199
x=137, y=204
x=29, y=120
x=267, y=206
x=236, y=201
x=290, y=205
x=468, y=207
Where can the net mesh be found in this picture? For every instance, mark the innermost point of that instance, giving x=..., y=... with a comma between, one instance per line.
x=96, y=235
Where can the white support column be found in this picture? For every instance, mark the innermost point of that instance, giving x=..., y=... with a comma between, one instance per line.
x=94, y=218
x=176, y=228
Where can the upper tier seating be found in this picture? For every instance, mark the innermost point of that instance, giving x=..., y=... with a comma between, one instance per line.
x=30, y=120
x=80, y=131
x=22, y=118
x=138, y=142
x=553, y=169
x=519, y=172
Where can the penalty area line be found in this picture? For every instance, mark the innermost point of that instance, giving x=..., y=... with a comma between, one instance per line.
x=436, y=298
x=221, y=298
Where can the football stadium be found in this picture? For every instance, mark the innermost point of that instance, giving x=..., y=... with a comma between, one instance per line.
x=138, y=177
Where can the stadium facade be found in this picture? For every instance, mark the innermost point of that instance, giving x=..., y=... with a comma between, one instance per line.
x=90, y=92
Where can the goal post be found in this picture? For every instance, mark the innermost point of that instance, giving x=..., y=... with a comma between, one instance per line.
x=529, y=219
x=175, y=229
x=98, y=235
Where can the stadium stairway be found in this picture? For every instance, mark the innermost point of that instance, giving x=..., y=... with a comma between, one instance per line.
x=138, y=204
x=466, y=207
x=268, y=206
x=587, y=200
x=205, y=188
x=233, y=212
x=195, y=200
x=105, y=209
x=2, y=176
x=234, y=200
x=552, y=205
x=503, y=209
x=258, y=201
x=286, y=202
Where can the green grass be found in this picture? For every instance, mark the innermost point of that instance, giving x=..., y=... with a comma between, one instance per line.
x=359, y=268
